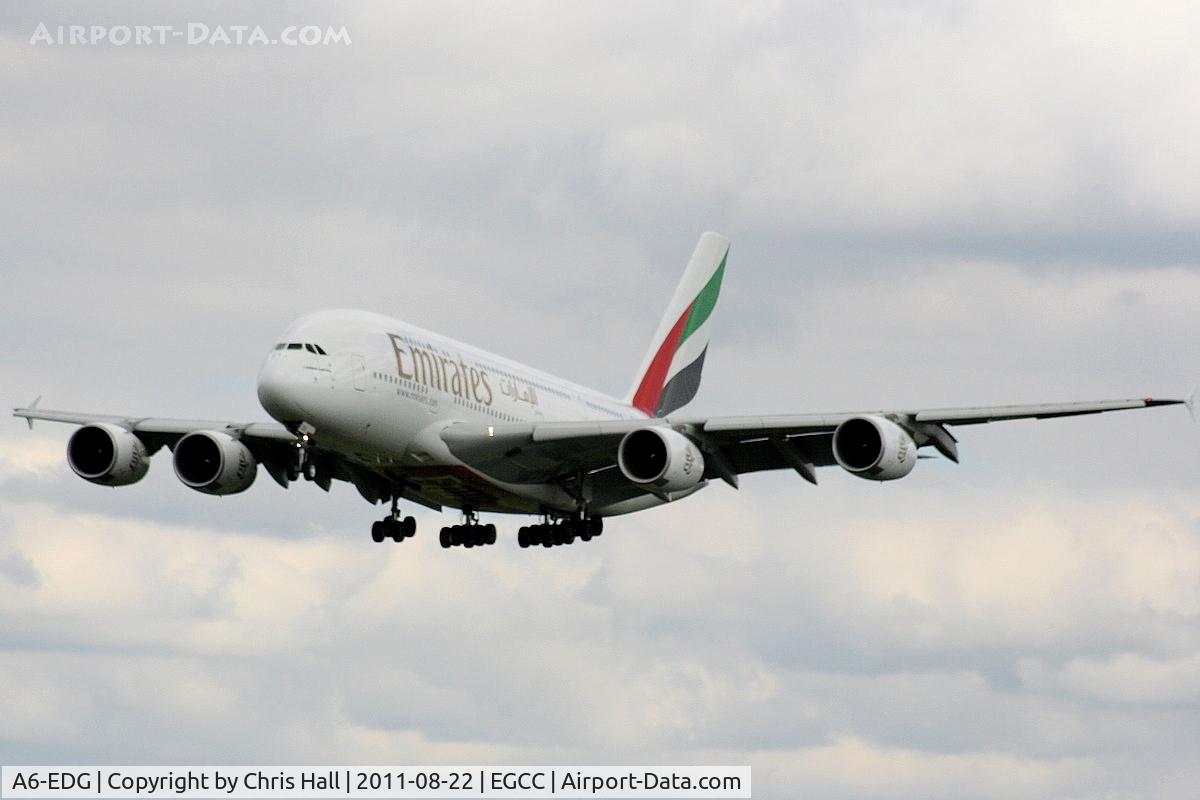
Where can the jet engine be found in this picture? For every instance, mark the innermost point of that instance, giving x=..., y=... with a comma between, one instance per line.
x=668, y=460
x=874, y=448
x=214, y=463
x=107, y=454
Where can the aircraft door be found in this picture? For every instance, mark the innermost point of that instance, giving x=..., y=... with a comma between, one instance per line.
x=358, y=372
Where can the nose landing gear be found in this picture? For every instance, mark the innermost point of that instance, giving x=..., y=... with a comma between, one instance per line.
x=303, y=464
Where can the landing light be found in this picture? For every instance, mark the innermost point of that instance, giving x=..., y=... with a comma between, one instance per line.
x=491, y=430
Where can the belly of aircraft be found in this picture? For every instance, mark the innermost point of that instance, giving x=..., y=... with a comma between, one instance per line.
x=459, y=487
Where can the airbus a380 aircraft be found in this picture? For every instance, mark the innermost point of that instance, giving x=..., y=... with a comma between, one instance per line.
x=403, y=413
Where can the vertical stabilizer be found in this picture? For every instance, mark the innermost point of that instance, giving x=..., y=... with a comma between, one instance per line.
x=670, y=374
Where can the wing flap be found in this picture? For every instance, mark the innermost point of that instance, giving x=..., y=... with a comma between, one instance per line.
x=777, y=424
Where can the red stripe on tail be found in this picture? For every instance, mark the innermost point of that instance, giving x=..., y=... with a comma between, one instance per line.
x=650, y=389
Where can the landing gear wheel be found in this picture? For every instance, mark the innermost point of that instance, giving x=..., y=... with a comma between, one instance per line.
x=489, y=534
x=444, y=538
x=309, y=470
x=392, y=526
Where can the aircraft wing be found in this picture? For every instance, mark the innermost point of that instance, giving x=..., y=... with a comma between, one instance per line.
x=272, y=444
x=158, y=432
x=552, y=451
x=557, y=452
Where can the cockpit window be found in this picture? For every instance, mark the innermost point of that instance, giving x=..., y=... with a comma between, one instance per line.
x=312, y=348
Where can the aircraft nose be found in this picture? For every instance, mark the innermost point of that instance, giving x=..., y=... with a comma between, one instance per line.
x=279, y=391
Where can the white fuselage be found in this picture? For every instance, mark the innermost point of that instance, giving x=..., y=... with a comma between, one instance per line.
x=380, y=391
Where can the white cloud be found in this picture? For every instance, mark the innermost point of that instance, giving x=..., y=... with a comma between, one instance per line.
x=1122, y=678
x=661, y=638
x=851, y=767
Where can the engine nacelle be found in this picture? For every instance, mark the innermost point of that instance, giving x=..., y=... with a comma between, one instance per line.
x=214, y=463
x=659, y=456
x=107, y=454
x=874, y=448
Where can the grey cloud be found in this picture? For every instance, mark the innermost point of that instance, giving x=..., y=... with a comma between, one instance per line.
x=16, y=568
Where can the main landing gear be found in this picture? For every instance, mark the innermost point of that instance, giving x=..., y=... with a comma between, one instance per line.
x=550, y=534
x=470, y=534
x=394, y=526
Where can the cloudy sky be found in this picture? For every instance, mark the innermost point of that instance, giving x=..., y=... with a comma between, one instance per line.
x=930, y=204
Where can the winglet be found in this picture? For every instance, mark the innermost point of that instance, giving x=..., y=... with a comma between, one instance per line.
x=33, y=405
x=1190, y=403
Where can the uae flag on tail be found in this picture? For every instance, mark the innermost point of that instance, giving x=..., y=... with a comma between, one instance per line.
x=670, y=374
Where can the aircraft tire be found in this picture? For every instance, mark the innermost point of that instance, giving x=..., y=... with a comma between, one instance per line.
x=377, y=530
x=444, y=538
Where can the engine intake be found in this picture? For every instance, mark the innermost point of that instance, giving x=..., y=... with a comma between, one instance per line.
x=874, y=448
x=668, y=460
x=214, y=463
x=107, y=454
